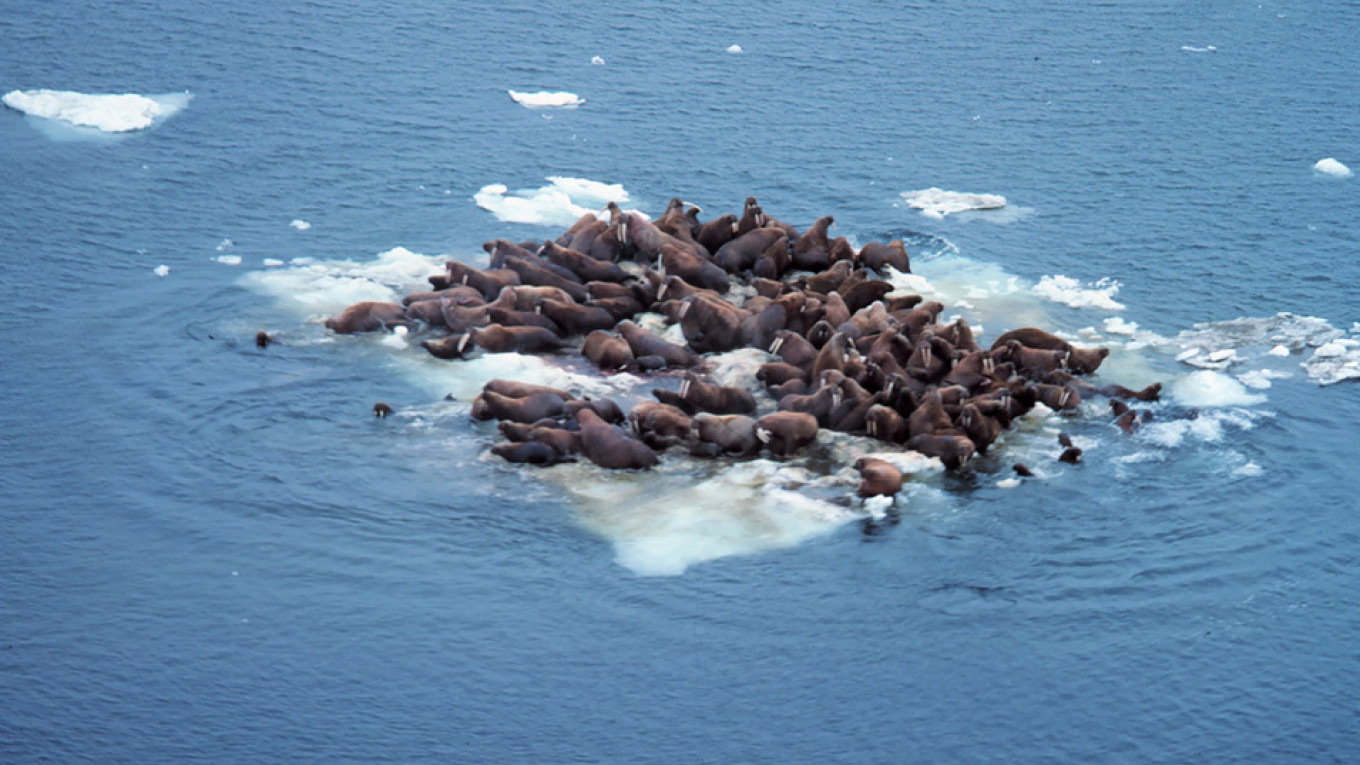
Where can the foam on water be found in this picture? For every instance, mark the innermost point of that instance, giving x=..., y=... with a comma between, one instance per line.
x=1209, y=388
x=544, y=99
x=559, y=204
x=107, y=113
x=937, y=203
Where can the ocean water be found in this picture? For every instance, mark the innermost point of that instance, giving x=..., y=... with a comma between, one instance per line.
x=213, y=552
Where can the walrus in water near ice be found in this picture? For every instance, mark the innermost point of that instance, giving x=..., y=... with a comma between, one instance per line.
x=880, y=477
x=369, y=316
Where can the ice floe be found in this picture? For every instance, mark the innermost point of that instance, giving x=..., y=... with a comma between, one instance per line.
x=300, y=225
x=1070, y=292
x=1330, y=166
x=106, y=112
x=560, y=203
x=161, y=270
x=937, y=203
x=544, y=99
x=734, y=49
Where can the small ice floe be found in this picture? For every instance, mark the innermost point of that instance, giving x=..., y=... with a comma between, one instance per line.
x=228, y=260
x=300, y=225
x=1279, y=350
x=1070, y=292
x=161, y=270
x=108, y=113
x=1330, y=166
x=546, y=100
x=597, y=61
x=877, y=506
x=224, y=244
x=1008, y=483
x=937, y=203
x=272, y=262
x=397, y=339
x=1195, y=49
x=734, y=49
x=1115, y=325
x=1208, y=387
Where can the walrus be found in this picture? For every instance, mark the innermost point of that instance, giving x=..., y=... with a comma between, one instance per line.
x=715, y=233
x=607, y=351
x=610, y=447
x=461, y=318
x=381, y=410
x=779, y=372
x=586, y=268
x=1058, y=397
x=879, y=478
x=576, y=319
x=606, y=408
x=488, y=283
x=1082, y=361
x=828, y=280
x=660, y=426
x=784, y=433
x=930, y=416
x=536, y=272
x=489, y=405
x=774, y=261
x=886, y=424
x=696, y=395
x=520, y=389
x=811, y=251
x=694, y=269
x=528, y=453
x=820, y=404
x=644, y=343
x=832, y=355
x=980, y=429
x=1035, y=362
x=794, y=349
x=952, y=449
x=647, y=240
x=711, y=325
x=739, y=254
x=451, y=347
x=512, y=318
x=368, y=316
x=876, y=256
x=262, y=339
x=495, y=338
x=733, y=435
x=583, y=241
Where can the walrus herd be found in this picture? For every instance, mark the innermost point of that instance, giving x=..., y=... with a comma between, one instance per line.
x=847, y=353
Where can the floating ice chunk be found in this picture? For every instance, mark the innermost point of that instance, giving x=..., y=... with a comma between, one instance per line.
x=597, y=61
x=1210, y=388
x=272, y=262
x=1070, y=292
x=937, y=203
x=1330, y=166
x=734, y=49
x=1008, y=483
x=1257, y=379
x=108, y=113
x=161, y=270
x=1329, y=350
x=224, y=244
x=546, y=100
x=1279, y=350
x=300, y=225
x=877, y=506
x=397, y=339
x=1193, y=49
x=1116, y=325
x=228, y=260
x=554, y=205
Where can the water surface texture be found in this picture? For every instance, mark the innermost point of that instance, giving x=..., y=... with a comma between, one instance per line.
x=212, y=552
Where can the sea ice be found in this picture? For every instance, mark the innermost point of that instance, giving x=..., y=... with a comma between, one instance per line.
x=554, y=205
x=1070, y=292
x=1330, y=166
x=109, y=113
x=937, y=203
x=546, y=100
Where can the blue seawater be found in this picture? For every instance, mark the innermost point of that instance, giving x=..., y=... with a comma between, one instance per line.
x=211, y=552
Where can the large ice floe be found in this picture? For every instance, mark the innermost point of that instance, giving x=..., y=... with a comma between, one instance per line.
x=687, y=510
x=1332, y=167
x=108, y=113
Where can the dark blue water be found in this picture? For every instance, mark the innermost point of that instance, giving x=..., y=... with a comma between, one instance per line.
x=210, y=552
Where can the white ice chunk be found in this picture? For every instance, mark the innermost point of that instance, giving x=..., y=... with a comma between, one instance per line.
x=1209, y=388
x=1070, y=292
x=1330, y=166
x=161, y=270
x=300, y=225
x=937, y=203
x=546, y=100
x=105, y=112
x=734, y=49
